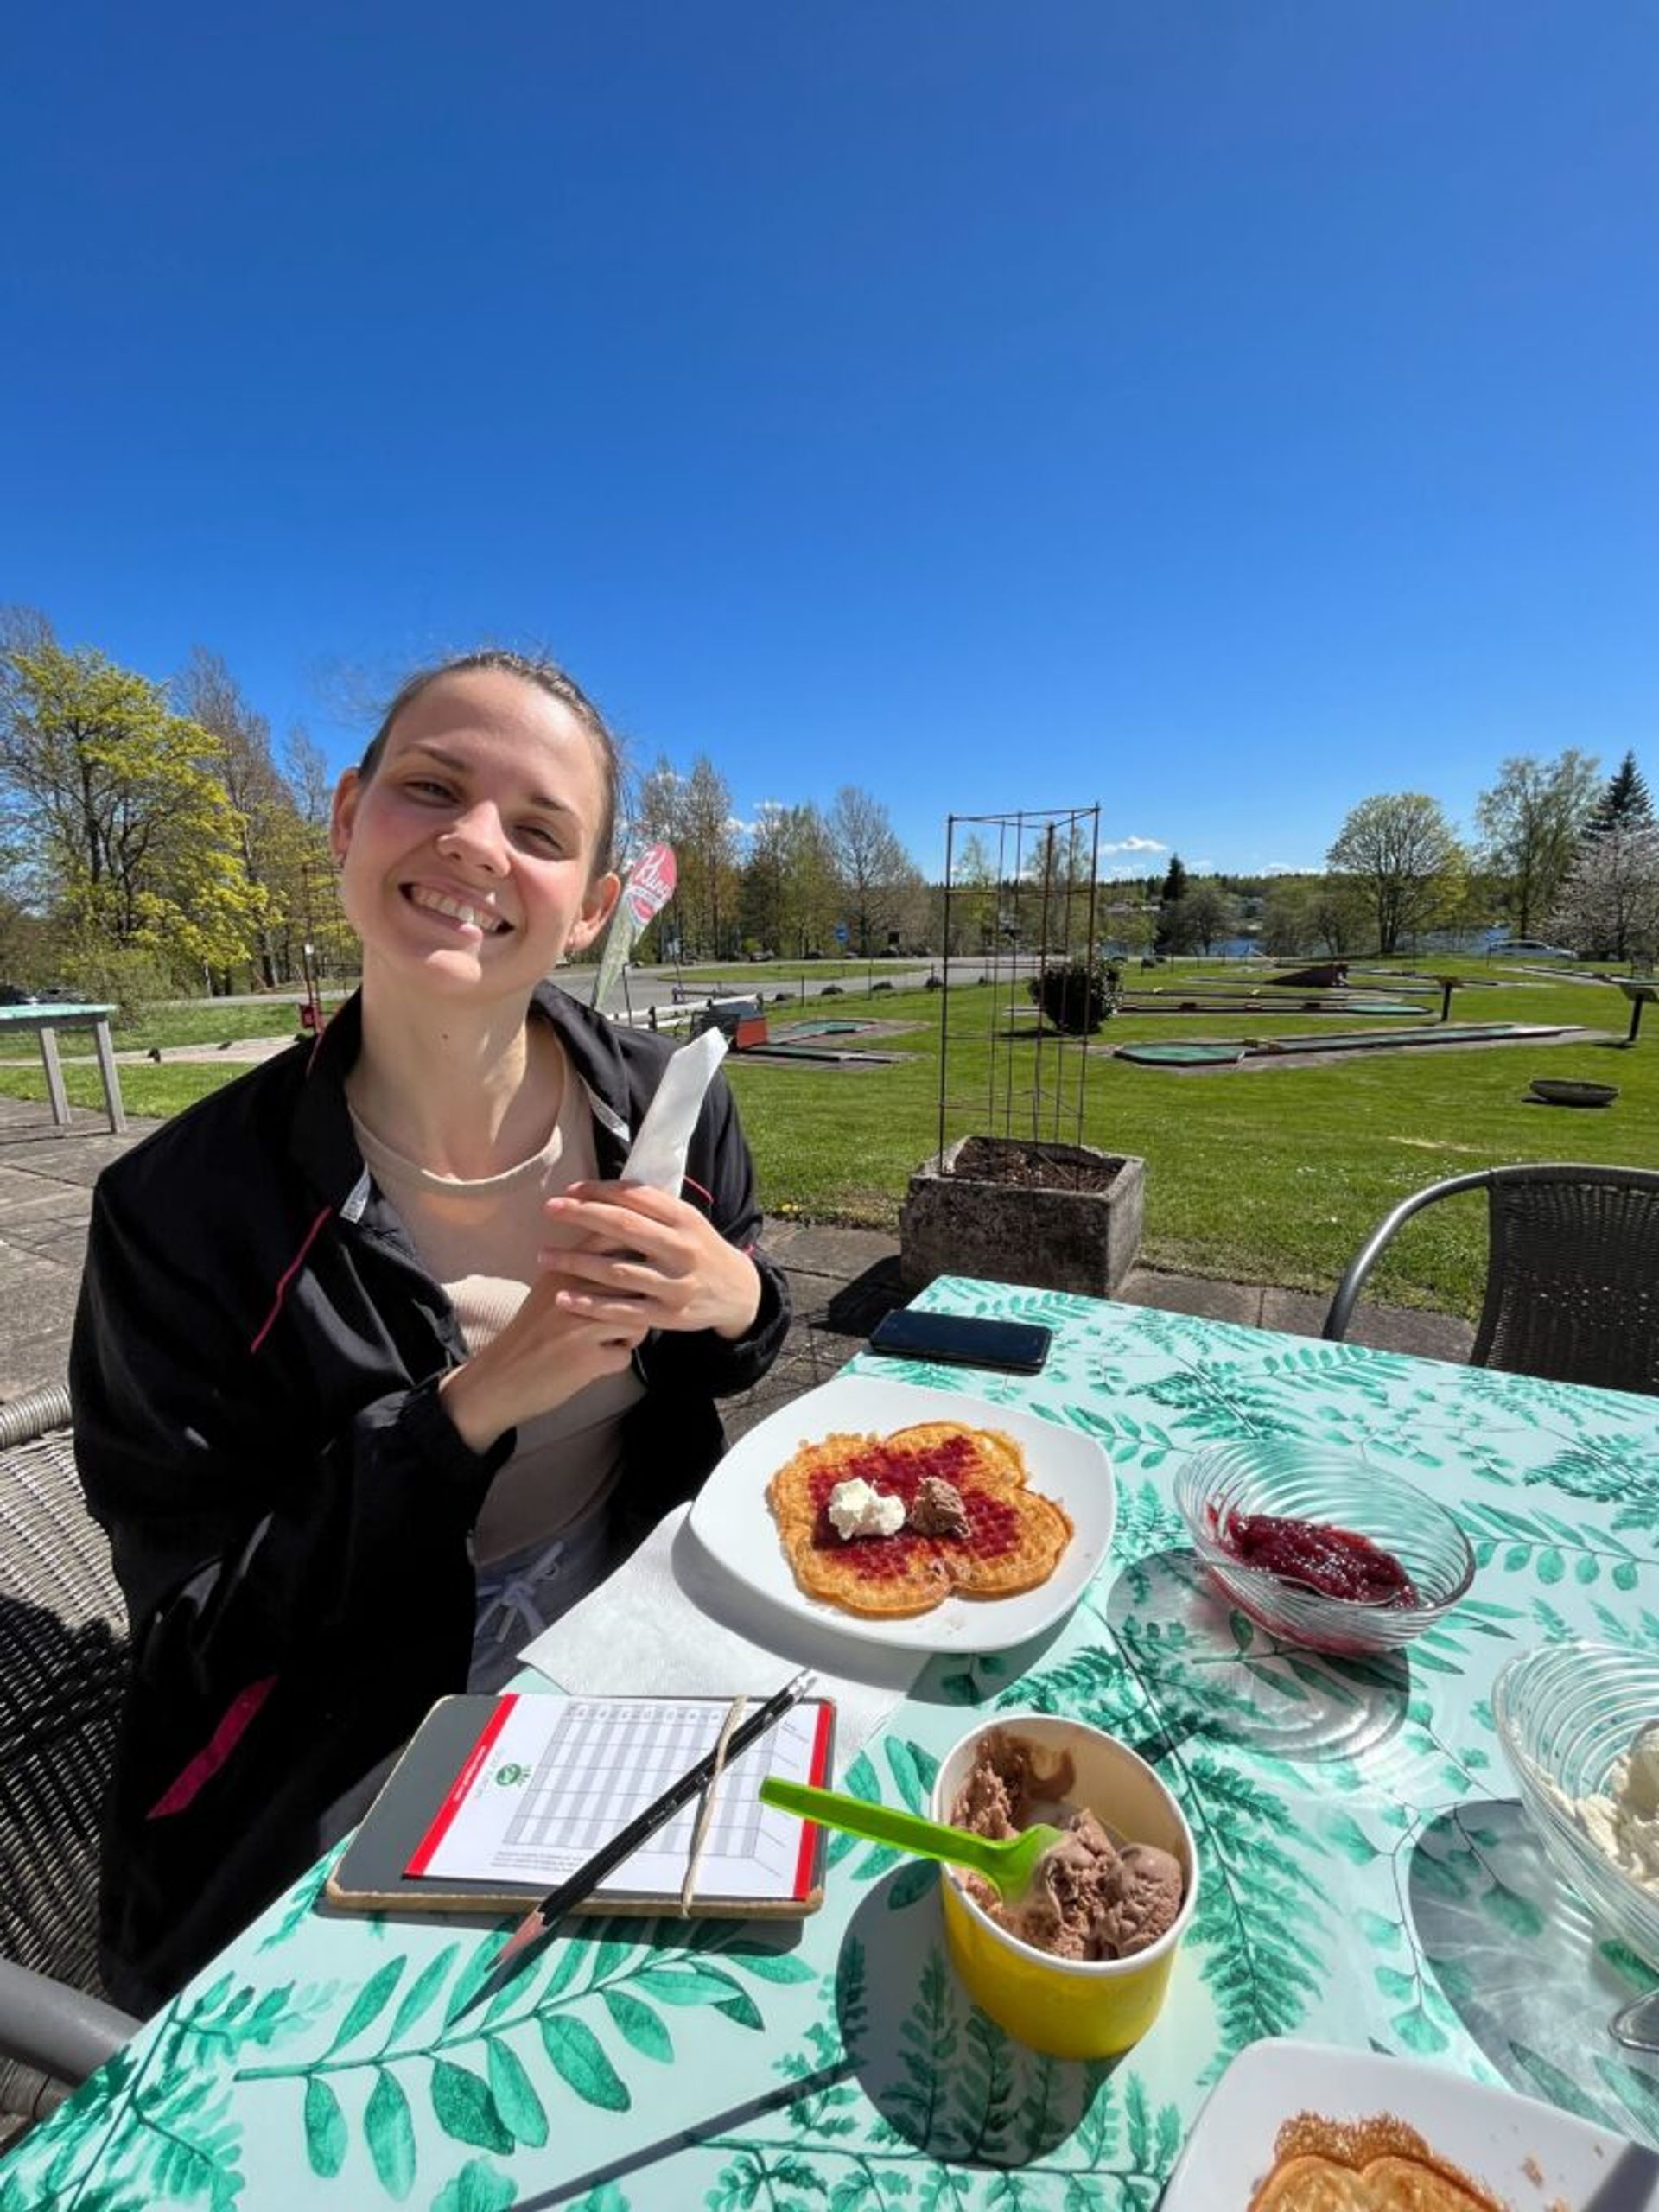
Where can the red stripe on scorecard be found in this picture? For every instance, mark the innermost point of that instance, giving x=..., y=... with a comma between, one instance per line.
x=463, y=1782
x=818, y=1776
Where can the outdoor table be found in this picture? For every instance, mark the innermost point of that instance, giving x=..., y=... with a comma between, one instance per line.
x=46, y=1021
x=1368, y=1877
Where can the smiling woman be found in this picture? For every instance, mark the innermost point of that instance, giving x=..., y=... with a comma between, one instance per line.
x=378, y=1366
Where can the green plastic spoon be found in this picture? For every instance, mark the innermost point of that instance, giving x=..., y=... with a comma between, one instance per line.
x=1009, y=1865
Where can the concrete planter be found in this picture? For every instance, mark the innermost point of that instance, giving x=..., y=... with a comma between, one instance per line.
x=1045, y=1233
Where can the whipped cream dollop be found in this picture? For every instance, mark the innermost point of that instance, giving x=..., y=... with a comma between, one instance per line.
x=1622, y=1822
x=858, y=1508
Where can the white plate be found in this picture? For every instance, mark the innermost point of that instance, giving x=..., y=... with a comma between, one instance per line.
x=1531, y=2156
x=732, y=1519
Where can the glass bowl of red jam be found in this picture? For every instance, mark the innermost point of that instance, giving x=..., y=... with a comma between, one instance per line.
x=1320, y=1549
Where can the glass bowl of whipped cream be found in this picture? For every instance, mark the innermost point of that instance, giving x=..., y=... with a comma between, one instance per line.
x=1579, y=1725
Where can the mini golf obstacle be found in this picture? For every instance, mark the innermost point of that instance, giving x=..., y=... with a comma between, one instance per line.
x=1219, y=1051
x=1219, y=999
x=749, y=1034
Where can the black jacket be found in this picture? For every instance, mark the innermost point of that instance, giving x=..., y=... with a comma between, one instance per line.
x=258, y=1425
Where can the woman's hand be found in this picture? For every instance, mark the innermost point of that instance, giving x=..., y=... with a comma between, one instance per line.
x=544, y=1355
x=640, y=1256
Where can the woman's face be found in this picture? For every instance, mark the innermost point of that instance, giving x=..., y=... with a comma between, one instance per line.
x=467, y=859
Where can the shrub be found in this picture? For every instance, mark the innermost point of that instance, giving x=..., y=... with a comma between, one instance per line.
x=1077, y=998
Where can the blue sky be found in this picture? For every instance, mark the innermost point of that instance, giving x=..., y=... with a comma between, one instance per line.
x=1222, y=411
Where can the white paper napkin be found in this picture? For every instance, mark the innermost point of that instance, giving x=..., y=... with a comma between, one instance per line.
x=671, y=1622
x=656, y=1156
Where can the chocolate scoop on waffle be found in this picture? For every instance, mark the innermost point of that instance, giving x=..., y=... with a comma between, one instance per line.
x=1013, y=1541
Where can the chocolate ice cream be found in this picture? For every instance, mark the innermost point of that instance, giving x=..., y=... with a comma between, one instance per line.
x=1088, y=1900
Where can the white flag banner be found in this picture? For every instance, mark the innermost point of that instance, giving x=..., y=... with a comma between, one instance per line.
x=647, y=889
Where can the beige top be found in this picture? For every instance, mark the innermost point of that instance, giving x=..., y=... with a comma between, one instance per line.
x=480, y=1240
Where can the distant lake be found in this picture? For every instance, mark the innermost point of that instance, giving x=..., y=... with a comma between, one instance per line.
x=1247, y=948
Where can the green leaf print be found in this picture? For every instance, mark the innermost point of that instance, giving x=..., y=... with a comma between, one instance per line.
x=1381, y=1934
x=464, y=2107
x=915, y=1881
x=389, y=2127
x=479, y=2187
x=421, y=1991
x=1419, y=2033
x=693, y=1982
x=1515, y=1914
x=641, y=2023
x=772, y=1965
x=575, y=2050
x=368, y=2003
x=741, y=2007
x=474, y=1974
x=1635, y=2092
x=1345, y=1831
x=325, y=2128
x=1559, y=2088
x=912, y=1770
x=521, y=2109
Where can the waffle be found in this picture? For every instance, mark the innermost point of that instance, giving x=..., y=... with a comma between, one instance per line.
x=1015, y=1537
x=1377, y=2165
x=1387, y=2184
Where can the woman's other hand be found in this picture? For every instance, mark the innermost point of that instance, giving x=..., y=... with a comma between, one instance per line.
x=638, y=1254
x=546, y=1353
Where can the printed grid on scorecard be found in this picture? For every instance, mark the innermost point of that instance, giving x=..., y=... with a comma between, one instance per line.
x=552, y=1779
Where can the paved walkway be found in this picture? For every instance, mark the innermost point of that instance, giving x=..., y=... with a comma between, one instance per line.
x=844, y=1278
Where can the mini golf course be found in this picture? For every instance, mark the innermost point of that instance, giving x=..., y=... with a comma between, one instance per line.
x=1216, y=1051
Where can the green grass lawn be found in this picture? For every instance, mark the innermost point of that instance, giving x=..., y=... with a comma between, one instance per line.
x=1272, y=1176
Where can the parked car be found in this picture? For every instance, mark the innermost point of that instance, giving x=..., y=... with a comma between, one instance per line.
x=15, y=994
x=1533, y=947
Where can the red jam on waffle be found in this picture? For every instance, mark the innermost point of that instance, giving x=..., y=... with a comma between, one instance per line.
x=993, y=1523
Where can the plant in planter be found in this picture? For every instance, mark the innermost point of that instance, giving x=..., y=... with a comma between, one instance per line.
x=1009, y=1201
x=1059, y=1217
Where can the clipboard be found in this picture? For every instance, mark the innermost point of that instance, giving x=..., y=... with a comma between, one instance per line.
x=373, y=1875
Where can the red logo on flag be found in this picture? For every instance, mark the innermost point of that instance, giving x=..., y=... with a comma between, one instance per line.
x=651, y=883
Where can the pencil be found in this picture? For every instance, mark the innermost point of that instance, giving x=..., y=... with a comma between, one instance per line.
x=541, y=1920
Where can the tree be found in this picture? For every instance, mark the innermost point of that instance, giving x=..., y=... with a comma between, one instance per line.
x=1609, y=906
x=1531, y=822
x=1624, y=804
x=1398, y=847
x=139, y=847
x=1210, y=915
x=1288, y=928
x=1174, y=932
x=788, y=898
x=1339, y=911
x=266, y=815
x=876, y=874
x=973, y=898
x=708, y=848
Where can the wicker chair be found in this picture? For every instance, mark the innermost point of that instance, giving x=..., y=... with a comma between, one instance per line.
x=1572, y=1272
x=62, y=1667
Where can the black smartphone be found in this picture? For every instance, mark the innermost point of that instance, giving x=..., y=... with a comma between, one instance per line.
x=1020, y=1346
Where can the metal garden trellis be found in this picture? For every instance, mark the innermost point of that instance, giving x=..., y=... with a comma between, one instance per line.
x=1041, y=886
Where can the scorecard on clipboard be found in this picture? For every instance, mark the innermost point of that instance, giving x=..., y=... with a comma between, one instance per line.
x=497, y=1799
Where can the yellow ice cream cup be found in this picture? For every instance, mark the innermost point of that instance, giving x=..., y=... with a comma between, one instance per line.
x=1073, y=2008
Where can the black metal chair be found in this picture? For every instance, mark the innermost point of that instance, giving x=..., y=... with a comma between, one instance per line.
x=63, y=1663
x=1572, y=1272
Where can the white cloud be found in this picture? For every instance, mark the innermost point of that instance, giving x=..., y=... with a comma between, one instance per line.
x=1136, y=845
